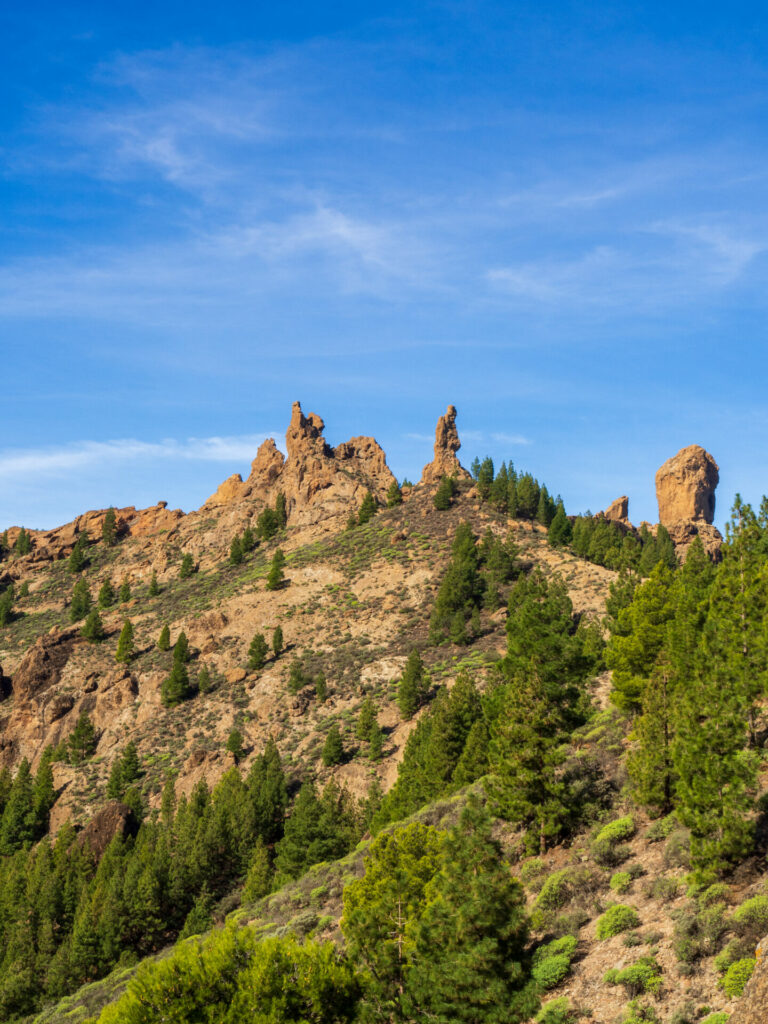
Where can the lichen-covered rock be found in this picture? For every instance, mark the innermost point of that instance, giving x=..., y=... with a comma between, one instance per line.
x=685, y=487
x=447, y=443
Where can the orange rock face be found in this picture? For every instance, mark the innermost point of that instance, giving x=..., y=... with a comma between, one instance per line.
x=447, y=443
x=685, y=487
x=618, y=510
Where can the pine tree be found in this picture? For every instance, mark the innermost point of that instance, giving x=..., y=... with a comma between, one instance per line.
x=527, y=496
x=258, y=881
x=411, y=690
x=6, y=605
x=560, y=528
x=181, y=651
x=80, y=601
x=380, y=910
x=82, y=741
x=281, y=512
x=365, y=720
x=248, y=540
x=473, y=763
x=485, y=478
x=236, y=554
x=545, y=511
x=468, y=958
x=154, y=586
x=235, y=745
x=277, y=641
x=77, y=558
x=125, y=648
x=333, y=748
x=43, y=793
x=125, y=591
x=130, y=766
x=394, y=495
x=650, y=762
x=204, y=683
x=106, y=594
x=164, y=640
x=499, y=490
x=276, y=575
x=17, y=826
x=257, y=653
x=175, y=688
x=93, y=628
x=187, y=567
x=267, y=524
x=368, y=509
x=109, y=528
x=461, y=589
x=115, y=786
x=23, y=544
x=375, y=741
x=443, y=498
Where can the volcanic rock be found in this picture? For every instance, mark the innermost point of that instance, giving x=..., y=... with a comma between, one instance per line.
x=685, y=487
x=752, y=1007
x=114, y=819
x=42, y=665
x=447, y=443
x=618, y=510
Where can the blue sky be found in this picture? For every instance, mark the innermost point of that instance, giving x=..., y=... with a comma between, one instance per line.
x=553, y=216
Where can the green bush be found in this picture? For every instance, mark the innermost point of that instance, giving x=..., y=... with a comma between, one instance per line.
x=721, y=1017
x=664, y=889
x=532, y=873
x=608, y=846
x=556, y=891
x=698, y=933
x=737, y=949
x=717, y=893
x=639, y=1014
x=642, y=976
x=556, y=1011
x=617, y=919
x=737, y=976
x=661, y=829
x=620, y=881
x=751, y=918
x=677, y=851
x=552, y=961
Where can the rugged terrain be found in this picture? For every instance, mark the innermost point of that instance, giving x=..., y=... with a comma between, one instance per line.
x=354, y=604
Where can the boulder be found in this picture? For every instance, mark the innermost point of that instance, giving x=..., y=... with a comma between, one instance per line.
x=447, y=443
x=685, y=487
x=42, y=665
x=115, y=818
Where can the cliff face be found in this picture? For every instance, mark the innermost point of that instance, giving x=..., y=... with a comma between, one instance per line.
x=685, y=491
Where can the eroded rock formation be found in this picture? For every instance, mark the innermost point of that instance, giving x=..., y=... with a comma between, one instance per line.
x=685, y=491
x=114, y=819
x=752, y=1007
x=618, y=510
x=447, y=443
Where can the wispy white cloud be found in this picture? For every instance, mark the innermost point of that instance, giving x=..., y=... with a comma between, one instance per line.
x=512, y=439
x=38, y=463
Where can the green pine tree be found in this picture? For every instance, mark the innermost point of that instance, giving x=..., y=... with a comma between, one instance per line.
x=204, y=683
x=375, y=742
x=468, y=953
x=236, y=553
x=175, y=689
x=181, y=651
x=257, y=653
x=125, y=591
x=365, y=720
x=258, y=881
x=77, y=558
x=321, y=688
x=235, y=745
x=443, y=497
x=281, y=511
x=164, y=640
x=106, y=594
x=412, y=688
x=394, y=495
x=109, y=528
x=559, y=533
x=125, y=646
x=80, y=601
x=187, y=567
x=368, y=509
x=23, y=544
x=276, y=576
x=93, y=627
x=277, y=641
x=333, y=748
x=154, y=586
x=82, y=741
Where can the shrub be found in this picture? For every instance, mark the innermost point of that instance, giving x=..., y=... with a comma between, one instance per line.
x=661, y=829
x=751, y=918
x=570, y=922
x=617, y=919
x=717, y=893
x=608, y=846
x=664, y=889
x=721, y=1017
x=552, y=961
x=698, y=933
x=737, y=976
x=620, y=881
x=677, y=851
x=639, y=1014
x=556, y=1011
x=642, y=976
x=532, y=873
x=736, y=949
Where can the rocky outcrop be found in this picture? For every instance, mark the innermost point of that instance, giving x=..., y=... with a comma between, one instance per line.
x=318, y=481
x=618, y=510
x=685, y=491
x=752, y=1007
x=42, y=665
x=685, y=487
x=447, y=443
x=114, y=819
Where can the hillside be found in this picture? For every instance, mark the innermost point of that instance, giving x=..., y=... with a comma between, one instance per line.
x=358, y=597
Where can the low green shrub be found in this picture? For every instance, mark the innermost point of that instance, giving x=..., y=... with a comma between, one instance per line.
x=617, y=919
x=717, y=893
x=751, y=918
x=552, y=962
x=556, y=891
x=736, y=949
x=698, y=932
x=638, y=978
x=720, y=1017
x=532, y=873
x=621, y=882
x=737, y=976
x=677, y=849
x=664, y=889
x=661, y=829
x=608, y=846
x=556, y=1011
x=640, y=1014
